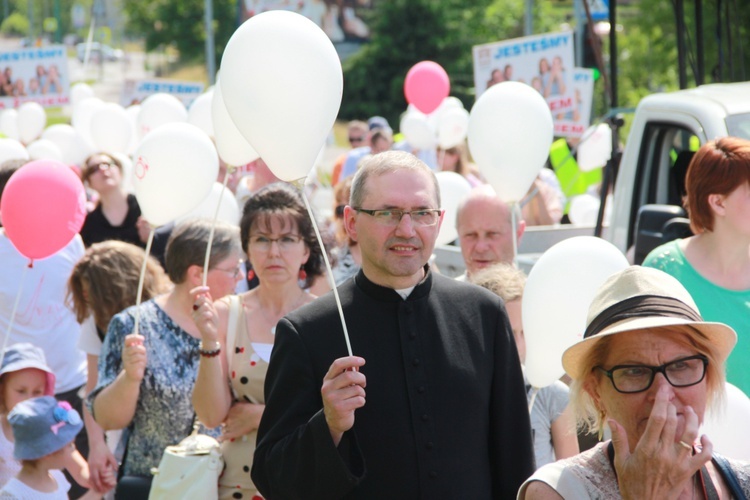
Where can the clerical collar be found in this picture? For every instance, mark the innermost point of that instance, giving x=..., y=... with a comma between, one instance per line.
x=389, y=294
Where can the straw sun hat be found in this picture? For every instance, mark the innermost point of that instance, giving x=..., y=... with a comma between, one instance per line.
x=641, y=298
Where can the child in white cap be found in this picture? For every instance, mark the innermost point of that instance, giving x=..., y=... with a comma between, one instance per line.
x=24, y=374
x=44, y=430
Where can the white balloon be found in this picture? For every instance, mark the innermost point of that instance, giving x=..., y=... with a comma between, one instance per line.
x=453, y=127
x=199, y=113
x=133, y=111
x=260, y=82
x=9, y=124
x=232, y=146
x=72, y=145
x=31, y=121
x=510, y=134
x=417, y=131
x=11, y=149
x=157, y=110
x=127, y=171
x=82, y=114
x=111, y=129
x=595, y=148
x=556, y=299
x=448, y=103
x=79, y=92
x=44, y=149
x=453, y=189
x=727, y=428
x=229, y=210
x=175, y=167
x=584, y=209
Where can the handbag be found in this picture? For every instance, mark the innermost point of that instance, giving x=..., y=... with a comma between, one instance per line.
x=189, y=470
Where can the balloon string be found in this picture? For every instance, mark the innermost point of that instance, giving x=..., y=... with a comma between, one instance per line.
x=513, y=225
x=13, y=314
x=213, y=226
x=301, y=184
x=141, y=279
x=534, y=392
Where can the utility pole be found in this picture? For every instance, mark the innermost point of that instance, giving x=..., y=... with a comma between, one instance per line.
x=210, y=51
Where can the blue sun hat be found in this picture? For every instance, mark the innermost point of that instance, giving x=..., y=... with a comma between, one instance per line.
x=42, y=426
x=24, y=355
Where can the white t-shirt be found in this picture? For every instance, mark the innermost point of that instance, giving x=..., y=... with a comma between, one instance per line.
x=90, y=343
x=42, y=317
x=17, y=490
x=9, y=466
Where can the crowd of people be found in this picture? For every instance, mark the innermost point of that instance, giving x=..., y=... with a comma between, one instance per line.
x=404, y=384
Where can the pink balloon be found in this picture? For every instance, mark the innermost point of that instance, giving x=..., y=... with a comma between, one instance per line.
x=426, y=86
x=43, y=207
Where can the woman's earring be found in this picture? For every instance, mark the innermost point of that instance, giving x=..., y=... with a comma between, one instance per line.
x=250, y=274
x=302, y=273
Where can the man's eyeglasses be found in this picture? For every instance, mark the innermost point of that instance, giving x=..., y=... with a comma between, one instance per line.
x=236, y=272
x=263, y=243
x=392, y=216
x=353, y=139
x=683, y=372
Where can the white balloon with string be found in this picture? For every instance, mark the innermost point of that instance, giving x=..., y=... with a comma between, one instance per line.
x=287, y=125
x=199, y=113
x=31, y=121
x=111, y=129
x=11, y=149
x=452, y=127
x=44, y=149
x=453, y=189
x=418, y=132
x=9, y=124
x=232, y=146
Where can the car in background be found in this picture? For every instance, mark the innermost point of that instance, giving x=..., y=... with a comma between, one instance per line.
x=98, y=52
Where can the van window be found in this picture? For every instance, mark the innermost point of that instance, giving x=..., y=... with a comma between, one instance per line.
x=739, y=125
x=665, y=153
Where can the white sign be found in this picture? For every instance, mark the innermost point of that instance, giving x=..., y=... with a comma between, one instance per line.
x=574, y=122
x=37, y=74
x=133, y=92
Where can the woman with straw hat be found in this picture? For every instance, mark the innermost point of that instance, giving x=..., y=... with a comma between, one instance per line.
x=647, y=368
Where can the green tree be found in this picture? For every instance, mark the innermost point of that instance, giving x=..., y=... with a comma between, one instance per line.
x=180, y=24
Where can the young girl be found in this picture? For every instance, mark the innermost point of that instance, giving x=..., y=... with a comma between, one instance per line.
x=44, y=430
x=24, y=374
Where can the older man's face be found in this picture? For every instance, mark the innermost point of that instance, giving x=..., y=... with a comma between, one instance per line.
x=485, y=233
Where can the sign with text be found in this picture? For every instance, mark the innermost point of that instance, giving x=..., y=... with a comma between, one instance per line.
x=543, y=61
x=35, y=74
x=574, y=122
x=135, y=91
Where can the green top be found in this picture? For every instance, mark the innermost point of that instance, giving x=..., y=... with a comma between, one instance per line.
x=715, y=303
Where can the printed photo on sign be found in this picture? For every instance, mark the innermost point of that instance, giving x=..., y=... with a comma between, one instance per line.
x=39, y=75
x=135, y=91
x=341, y=20
x=575, y=121
x=543, y=61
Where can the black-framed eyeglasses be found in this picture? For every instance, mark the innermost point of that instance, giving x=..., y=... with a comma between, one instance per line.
x=339, y=211
x=393, y=216
x=683, y=372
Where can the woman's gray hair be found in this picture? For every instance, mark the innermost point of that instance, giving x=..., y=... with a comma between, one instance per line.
x=188, y=243
x=384, y=163
x=591, y=418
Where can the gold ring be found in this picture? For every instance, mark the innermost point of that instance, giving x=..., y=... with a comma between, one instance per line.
x=687, y=446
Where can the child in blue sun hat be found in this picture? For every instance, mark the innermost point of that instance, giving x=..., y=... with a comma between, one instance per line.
x=44, y=430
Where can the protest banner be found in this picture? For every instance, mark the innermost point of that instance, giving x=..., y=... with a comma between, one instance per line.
x=135, y=91
x=36, y=74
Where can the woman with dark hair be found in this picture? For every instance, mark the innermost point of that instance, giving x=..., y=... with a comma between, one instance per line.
x=714, y=265
x=282, y=251
x=116, y=214
x=103, y=283
x=146, y=377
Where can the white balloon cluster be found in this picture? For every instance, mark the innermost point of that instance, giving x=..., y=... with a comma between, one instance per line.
x=445, y=127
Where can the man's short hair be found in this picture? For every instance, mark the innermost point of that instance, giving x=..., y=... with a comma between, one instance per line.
x=383, y=163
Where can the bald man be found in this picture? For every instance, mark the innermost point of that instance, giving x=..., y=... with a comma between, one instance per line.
x=484, y=226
